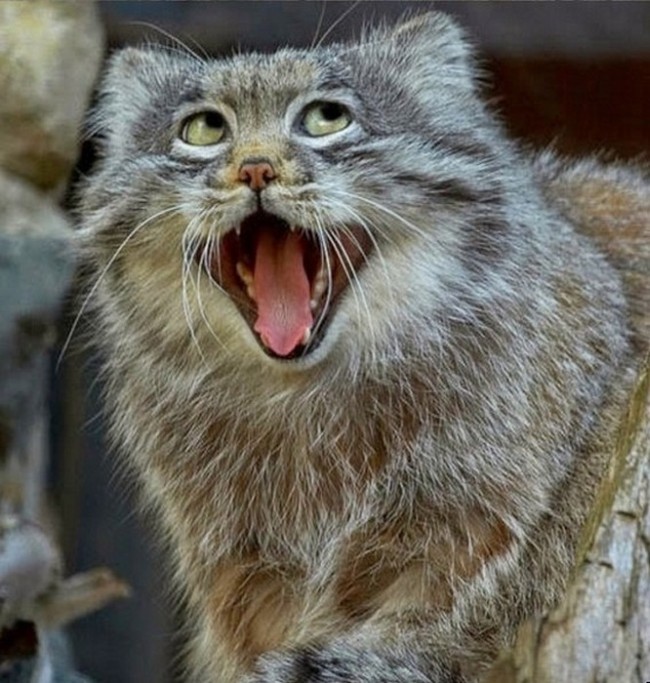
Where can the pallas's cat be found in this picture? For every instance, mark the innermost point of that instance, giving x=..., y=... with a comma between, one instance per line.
x=359, y=349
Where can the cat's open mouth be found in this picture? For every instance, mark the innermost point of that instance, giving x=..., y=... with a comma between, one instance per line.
x=285, y=280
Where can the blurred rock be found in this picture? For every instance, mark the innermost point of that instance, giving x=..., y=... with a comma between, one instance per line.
x=59, y=664
x=29, y=566
x=36, y=268
x=49, y=57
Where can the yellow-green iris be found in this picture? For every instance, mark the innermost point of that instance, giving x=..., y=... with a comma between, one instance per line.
x=325, y=118
x=205, y=128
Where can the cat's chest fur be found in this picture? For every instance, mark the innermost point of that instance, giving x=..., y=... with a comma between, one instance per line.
x=314, y=480
x=297, y=523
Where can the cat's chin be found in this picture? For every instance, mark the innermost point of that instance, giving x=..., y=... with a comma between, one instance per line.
x=285, y=280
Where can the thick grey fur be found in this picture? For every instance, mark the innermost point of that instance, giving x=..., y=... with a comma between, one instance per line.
x=484, y=347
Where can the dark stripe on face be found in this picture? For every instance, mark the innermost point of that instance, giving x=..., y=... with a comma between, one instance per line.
x=119, y=228
x=463, y=145
x=193, y=93
x=454, y=145
x=306, y=667
x=486, y=243
x=336, y=154
x=307, y=160
x=450, y=189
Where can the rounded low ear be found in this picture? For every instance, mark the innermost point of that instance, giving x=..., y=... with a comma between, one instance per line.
x=437, y=36
x=428, y=52
x=130, y=67
x=134, y=82
x=123, y=89
x=133, y=62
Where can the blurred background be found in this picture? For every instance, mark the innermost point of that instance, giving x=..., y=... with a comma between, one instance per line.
x=575, y=75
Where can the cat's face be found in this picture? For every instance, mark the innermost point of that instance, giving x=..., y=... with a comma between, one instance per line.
x=287, y=204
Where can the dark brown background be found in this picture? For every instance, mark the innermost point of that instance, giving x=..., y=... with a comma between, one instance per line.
x=575, y=74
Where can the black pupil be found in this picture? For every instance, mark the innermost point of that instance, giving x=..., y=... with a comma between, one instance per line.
x=331, y=111
x=213, y=119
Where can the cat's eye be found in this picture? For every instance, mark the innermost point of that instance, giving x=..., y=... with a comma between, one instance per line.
x=204, y=128
x=325, y=118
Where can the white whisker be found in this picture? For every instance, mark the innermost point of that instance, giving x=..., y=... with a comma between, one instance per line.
x=353, y=279
x=361, y=222
x=103, y=273
x=188, y=259
x=319, y=24
x=211, y=245
x=336, y=22
x=187, y=51
x=417, y=231
x=326, y=261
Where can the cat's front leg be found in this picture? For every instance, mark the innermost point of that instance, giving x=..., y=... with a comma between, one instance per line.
x=340, y=662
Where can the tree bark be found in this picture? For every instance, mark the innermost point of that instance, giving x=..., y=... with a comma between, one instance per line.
x=601, y=631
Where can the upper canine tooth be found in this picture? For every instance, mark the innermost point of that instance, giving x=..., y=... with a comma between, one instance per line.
x=238, y=230
x=319, y=286
x=244, y=273
x=293, y=228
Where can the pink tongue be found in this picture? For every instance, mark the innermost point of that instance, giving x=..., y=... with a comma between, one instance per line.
x=281, y=291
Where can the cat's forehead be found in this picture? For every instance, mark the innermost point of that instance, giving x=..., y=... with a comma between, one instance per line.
x=255, y=77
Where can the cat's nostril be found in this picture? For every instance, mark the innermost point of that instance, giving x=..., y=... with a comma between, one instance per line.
x=256, y=174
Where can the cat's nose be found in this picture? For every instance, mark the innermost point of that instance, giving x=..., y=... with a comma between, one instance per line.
x=256, y=173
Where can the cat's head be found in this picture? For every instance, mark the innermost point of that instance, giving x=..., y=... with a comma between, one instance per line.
x=295, y=206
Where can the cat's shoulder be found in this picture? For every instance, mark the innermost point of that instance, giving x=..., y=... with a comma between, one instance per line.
x=599, y=192
x=610, y=203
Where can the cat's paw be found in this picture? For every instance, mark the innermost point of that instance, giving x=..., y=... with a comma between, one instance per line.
x=341, y=664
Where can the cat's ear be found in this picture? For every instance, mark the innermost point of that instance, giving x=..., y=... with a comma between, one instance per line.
x=435, y=34
x=131, y=62
x=434, y=45
x=124, y=90
x=134, y=82
x=130, y=70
